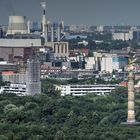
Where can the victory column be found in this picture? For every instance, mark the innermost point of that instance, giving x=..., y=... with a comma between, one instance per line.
x=131, y=97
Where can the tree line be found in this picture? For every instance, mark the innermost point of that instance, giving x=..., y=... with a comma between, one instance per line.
x=51, y=117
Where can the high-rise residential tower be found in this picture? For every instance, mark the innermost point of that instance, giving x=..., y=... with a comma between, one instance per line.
x=33, y=83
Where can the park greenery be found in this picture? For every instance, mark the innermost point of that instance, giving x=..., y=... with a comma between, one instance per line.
x=50, y=82
x=49, y=116
x=106, y=45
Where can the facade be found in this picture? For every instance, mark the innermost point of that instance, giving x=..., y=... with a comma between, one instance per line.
x=119, y=62
x=100, y=28
x=19, y=42
x=80, y=90
x=121, y=36
x=4, y=66
x=106, y=63
x=73, y=28
x=78, y=28
x=110, y=62
x=97, y=58
x=9, y=48
x=131, y=34
x=45, y=70
x=13, y=78
x=18, y=89
x=66, y=75
x=60, y=49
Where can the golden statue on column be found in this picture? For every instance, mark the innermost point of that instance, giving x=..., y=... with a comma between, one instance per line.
x=131, y=95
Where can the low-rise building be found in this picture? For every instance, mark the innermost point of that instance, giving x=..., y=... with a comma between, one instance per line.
x=80, y=90
x=13, y=78
x=5, y=66
x=121, y=36
x=18, y=89
x=90, y=63
x=131, y=34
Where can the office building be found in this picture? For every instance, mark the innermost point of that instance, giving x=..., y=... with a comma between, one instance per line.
x=18, y=89
x=5, y=66
x=110, y=62
x=80, y=90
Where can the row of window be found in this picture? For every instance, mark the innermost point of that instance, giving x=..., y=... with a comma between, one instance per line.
x=90, y=90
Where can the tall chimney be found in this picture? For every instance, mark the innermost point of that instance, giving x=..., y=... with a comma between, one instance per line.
x=58, y=32
x=44, y=26
x=28, y=26
x=52, y=33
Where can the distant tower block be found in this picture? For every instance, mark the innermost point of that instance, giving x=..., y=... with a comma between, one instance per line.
x=33, y=82
x=131, y=99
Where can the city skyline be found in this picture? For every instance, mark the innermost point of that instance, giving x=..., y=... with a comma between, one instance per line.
x=88, y=12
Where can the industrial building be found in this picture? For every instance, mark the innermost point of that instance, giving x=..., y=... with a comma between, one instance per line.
x=18, y=41
x=60, y=49
x=55, y=31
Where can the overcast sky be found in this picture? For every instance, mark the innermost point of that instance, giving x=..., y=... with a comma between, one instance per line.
x=90, y=12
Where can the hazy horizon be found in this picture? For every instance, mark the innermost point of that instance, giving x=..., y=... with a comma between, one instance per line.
x=87, y=12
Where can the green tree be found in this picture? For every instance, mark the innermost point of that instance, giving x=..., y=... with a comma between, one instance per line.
x=60, y=135
x=2, y=137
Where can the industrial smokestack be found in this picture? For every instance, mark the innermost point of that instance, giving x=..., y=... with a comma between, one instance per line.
x=28, y=26
x=52, y=33
x=62, y=30
x=58, y=32
x=43, y=4
x=62, y=25
x=46, y=34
